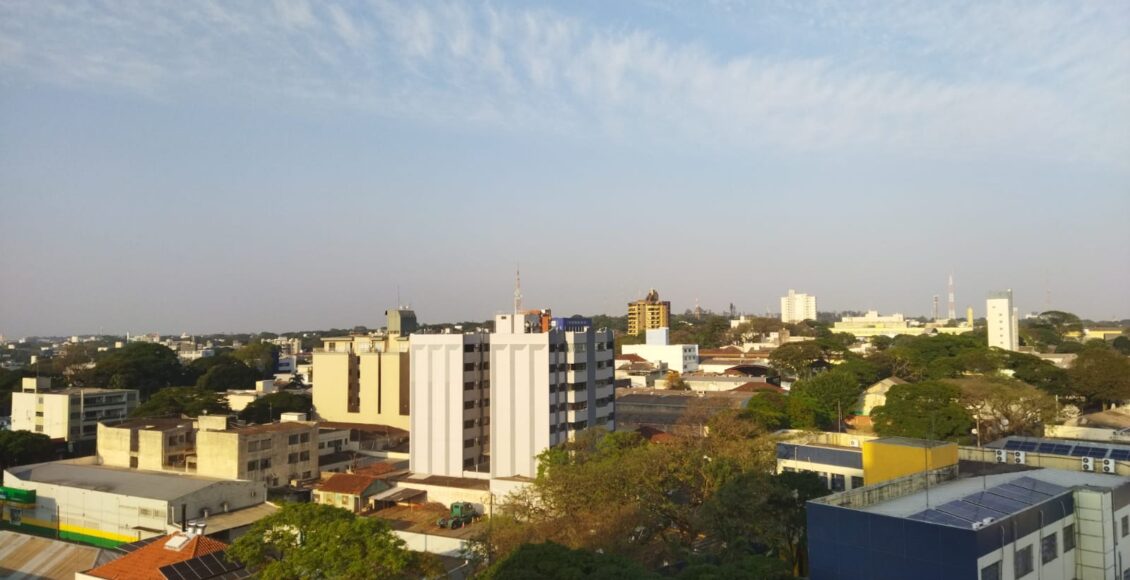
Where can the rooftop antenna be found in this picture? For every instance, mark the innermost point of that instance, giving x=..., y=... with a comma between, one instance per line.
x=952, y=306
x=517, y=289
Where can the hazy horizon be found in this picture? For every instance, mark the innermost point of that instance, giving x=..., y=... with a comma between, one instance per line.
x=242, y=167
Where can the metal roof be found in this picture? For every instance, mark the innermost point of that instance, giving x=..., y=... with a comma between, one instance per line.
x=131, y=482
x=1066, y=447
x=992, y=503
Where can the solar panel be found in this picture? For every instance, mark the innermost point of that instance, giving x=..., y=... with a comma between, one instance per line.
x=1098, y=452
x=130, y=547
x=968, y=511
x=937, y=517
x=1020, y=494
x=1120, y=454
x=1062, y=449
x=201, y=568
x=1046, y=448
x=1037, y=485
x=1081, y=451
x=1012, y=444
x=1027, y=446
x=996, y=502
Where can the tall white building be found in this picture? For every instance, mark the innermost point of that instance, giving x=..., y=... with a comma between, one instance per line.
x=797, y=307
x=490, y=403
x=1001, y=318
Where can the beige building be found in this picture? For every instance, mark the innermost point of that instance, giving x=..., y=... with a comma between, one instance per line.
x=69, y=414
x=364, y=379
x=797, y=307
x=349, y=491
x=211, y=446
x=648, y=314
x=872, y=324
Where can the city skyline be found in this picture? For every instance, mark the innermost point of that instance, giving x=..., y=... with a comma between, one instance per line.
x=297, y=166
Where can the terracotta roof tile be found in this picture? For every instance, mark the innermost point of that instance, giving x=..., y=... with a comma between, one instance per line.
x=145, y=562
x=349, y=483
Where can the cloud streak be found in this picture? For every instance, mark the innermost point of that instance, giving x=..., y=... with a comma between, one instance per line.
x=1030, y=80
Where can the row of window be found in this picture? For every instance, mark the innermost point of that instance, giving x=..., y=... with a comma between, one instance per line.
x=298, y=438
x=296, y=457
x=473, y=366
x=484, y=440
x=1023, y=562
x=257, y=464
x=471, y=423
x=467, y=405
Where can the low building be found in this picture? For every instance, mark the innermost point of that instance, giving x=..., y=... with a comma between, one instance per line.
x=680, y=412
x=682, y=358
x=639, y=372
x=105, y=506
x=1043, y=523
x=177, y=556
x=847, y=461
x=872, y=397
x=238, y=400
x=871, y=324
x=69, y=414
x=349, y=491
x=36, y=558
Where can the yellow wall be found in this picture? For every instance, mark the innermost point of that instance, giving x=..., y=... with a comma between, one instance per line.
x=883, y=461
x=377, y=377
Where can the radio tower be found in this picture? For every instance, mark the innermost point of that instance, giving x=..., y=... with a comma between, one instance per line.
x=517, y=291
x=935, y=307
x=952, y=307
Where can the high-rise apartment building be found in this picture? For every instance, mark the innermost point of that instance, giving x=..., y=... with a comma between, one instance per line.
x=364, y=378
x=1002, y=321
x=648, y=314
x=70, y=414
x=489, y=403
x=797, y=307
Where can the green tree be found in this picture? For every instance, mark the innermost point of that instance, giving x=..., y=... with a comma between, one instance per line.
x=1101, y=375
x=261, y=356
x=551, y=560
x=228, y=374
x=759, y=509
x=828, y=396
x=926, y=410
x=1121, y=344
x=796, y=358
x=675, y=382
x=770, y=409
x=138, y=365
x=318, y=541
x=1001, y=406
x=182, y=401
x=24, y=447
x=270, y=407
x=10, y=382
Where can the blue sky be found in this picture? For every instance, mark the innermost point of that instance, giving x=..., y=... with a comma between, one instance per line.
x=225, y=166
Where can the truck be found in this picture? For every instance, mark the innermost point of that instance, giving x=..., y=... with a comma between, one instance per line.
x=462, y=514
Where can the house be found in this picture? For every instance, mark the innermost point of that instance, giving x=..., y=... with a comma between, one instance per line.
x=180, y=555
x=349, y=490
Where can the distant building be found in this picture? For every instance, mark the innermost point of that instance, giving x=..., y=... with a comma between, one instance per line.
x=238, y=400
x=872, y=324
x=648, y=314
x=70, y=414
x=1001, y=319
x=364, y=379
x=797, y=307
x=682, y=358
x=1042, y=523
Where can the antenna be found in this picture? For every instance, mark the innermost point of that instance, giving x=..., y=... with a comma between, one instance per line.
x=517, y=289
x=398, y=302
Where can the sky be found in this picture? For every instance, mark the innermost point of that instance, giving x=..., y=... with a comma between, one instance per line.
x=270, y=166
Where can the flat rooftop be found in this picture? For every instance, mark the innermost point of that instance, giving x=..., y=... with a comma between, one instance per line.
x=955, y=490
x=154, y=424
x=137, y=483
x=911, y=442
x=422, y=519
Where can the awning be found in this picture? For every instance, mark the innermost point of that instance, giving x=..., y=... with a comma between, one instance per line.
x=398, y=494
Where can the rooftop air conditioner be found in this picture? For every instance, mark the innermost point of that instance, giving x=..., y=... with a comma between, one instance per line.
x=1108, y=466
x=1002, y=456
x=1088, y=463
x=1019, y=457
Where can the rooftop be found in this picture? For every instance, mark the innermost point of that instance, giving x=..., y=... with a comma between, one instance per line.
x=282, y=427
x=347, y=483
x=1042, y=484
x=363, y=427
x=83, y=474
x=145, y=562
x=26, y=556
x=910, y=442
x=153, y=424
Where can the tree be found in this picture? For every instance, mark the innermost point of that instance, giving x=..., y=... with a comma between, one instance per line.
x=796, y=358
x=261, y=356
x=318, y=541
x=826, y=398
x=270, y=407
x=770, y=409
x=10, y=381
x=228, y=374
x=1121, y=344
x=24, y=447
x=926, y=410
x=552, y=560
x=183, y=401
x=675, y=382
x=759, y=509
x=1101, y=375
x=138, y=365
x=1003, y=407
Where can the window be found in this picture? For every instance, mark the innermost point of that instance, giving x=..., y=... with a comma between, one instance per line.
x=467, y=443
x=468, y=404
x=991, y=572
x=304, y=456
x=856, y=481
x=304, y=438
x=292, y=458
x=469, y=423
x=265, y=463
x=1022, y=564
x=252, y=465
x=1049, y=548
x=837, y=482
x=292, y=440
x=265, y=444
x=1068, y=538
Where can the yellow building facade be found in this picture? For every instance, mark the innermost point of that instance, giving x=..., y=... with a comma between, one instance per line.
x=890, y=458
x=649, y=313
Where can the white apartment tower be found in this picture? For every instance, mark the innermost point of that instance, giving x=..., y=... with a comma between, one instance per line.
x=70, y=414
x=797, y=307
x=1001, y=318
x=490, y=403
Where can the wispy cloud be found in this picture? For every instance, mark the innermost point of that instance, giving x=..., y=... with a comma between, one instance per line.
x=1017, y=79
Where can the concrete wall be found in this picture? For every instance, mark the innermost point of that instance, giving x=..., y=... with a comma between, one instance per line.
x=439, y=398
x=433, y=544
x=113, y=446
x=520, y=401
x=374, y=370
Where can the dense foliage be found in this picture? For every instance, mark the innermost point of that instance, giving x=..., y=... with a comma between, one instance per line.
x=24, y=447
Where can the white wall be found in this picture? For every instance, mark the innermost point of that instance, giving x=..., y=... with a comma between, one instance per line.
x=519, y=402
x=437, y=399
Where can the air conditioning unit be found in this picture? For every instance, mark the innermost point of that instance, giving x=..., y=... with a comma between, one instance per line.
x=1019, y=457
x=854, y=442
x=1108, y=466
x=1088, y=463
x=1002, y=456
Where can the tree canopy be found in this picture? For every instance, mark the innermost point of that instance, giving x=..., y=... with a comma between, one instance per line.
x=1101, y=375
x=312, y=540
x=263, y=357
x=926, y=410
x=144, y=366
x=24, y=447
x=270, y=407
x=178, y=401
x=552, y=560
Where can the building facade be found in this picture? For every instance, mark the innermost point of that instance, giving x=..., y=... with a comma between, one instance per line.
x=797, y=307
x=488, y=404
x=648, y=313
x=364, y=379
x=682, y=358
x=1002, y=321
x=69, y=414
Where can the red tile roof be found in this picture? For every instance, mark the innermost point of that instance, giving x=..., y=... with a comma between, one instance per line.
x=348, y=483
x=754, y=386
x=145, y=562
x=631, y=357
